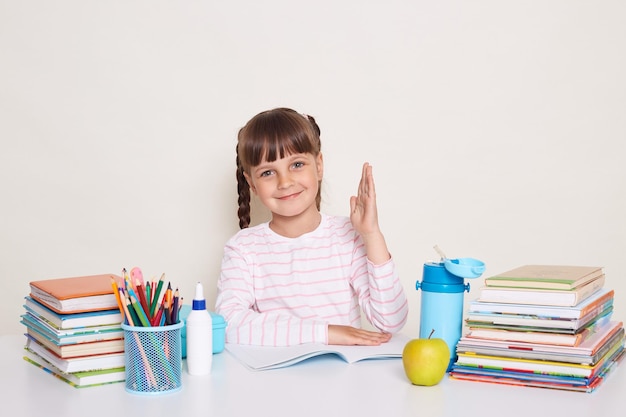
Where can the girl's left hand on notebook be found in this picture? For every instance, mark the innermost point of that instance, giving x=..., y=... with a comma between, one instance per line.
x=347, y=335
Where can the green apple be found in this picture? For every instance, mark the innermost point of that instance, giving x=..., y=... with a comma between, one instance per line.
x=425, y=361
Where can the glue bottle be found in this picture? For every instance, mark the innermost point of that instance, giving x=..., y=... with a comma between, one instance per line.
x=199, y=336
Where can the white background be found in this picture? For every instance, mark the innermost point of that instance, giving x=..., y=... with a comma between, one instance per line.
x=496, y=130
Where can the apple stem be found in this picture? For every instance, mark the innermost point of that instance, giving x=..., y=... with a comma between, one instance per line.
x=431, y=333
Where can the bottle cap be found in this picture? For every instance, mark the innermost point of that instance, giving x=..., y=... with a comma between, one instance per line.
x=199, y=303
x=465, y=267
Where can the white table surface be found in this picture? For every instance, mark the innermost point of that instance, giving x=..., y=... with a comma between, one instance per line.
x=324, y=386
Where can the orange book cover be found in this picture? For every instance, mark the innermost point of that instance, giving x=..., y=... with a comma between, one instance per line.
x=76, y=294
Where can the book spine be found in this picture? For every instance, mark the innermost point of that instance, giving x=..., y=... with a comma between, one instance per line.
x=589, y=289
x=607, y=344
x=598, y=305
x=528, y=365
x=541, y=297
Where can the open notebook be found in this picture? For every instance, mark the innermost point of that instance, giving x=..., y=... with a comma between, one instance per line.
x=260, y=358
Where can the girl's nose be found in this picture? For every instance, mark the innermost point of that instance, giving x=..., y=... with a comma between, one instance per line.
x=285, y=181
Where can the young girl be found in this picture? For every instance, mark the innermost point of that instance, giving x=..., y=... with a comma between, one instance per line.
x=303, y=277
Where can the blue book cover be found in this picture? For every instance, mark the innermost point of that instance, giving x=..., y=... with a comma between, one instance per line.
x=81, y=335
x=74, y=320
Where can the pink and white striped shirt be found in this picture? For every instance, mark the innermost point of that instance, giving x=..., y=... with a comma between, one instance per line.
x=279, y=291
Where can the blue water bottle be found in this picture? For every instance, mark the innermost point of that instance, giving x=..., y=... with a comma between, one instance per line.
x=443, y=285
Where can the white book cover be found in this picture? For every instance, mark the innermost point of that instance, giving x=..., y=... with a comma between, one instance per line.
x=267, y=357
x=78, y=364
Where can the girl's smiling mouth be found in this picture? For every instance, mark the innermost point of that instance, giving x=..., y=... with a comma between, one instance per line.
x=290, y=196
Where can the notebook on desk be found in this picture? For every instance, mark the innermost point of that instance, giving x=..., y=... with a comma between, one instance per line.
x=260, y=358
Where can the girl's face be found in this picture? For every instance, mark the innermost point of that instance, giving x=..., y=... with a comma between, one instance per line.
x=288, y=186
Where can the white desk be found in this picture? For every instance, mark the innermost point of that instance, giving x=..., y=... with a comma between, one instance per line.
x=324, y=386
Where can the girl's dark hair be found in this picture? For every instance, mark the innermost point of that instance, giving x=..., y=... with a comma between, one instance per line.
x=268, y=136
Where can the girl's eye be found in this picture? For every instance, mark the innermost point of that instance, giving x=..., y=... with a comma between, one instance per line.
x=265, y=173
x=298, y=164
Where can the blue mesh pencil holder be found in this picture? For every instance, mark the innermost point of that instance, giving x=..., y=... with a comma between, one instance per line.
x=153, y=359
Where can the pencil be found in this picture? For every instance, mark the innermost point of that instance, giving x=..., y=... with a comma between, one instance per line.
x=150, y=294
x=117, y=297
x=140, y=313
x=157, y=294
x=166, y=312
x=148, y=298
x=174, y=318
x=127, y=283
x=141, y=296
x=156, y=320
x=132, y=315
x=146, y=363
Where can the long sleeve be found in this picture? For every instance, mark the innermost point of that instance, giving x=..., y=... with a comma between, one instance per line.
x=237, y=302
x=277, y=291
x=381, y=296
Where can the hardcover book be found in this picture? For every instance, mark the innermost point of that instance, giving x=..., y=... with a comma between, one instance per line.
x=588, y=352
x=598, y=301
x=532, y=379
x=87, y=334
x=73, y=320
x=538, y=323
x=78, y=349
x=78, y=379
x=78, y=363
x=76, y=294
x=547, y=338
x=556, y=277
x=538, y=366
x=565, y=298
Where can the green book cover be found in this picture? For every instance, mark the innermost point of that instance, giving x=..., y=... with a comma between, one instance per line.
x=78, y=379
x=561, y=277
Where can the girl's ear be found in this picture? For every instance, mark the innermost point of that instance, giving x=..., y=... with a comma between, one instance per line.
x=249, y=181
x=319, y=162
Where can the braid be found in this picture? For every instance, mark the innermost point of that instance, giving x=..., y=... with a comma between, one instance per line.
x=316, y=128
x=314, y=124
x=243, y=191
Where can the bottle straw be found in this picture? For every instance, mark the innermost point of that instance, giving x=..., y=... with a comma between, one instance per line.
x=440, y=252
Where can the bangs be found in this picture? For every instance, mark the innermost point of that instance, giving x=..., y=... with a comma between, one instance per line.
x=275, y=134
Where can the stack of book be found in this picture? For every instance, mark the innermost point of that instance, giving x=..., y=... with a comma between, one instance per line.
x=543, y=326
x=73, y=330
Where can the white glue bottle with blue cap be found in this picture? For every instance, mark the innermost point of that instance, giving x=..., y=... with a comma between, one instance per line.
x=199, y=328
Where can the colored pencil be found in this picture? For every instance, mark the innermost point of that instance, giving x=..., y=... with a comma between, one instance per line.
x=140, y=312
x=157, y=293
x=117, y=297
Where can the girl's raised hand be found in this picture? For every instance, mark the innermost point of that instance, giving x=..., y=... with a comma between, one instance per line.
x=363, y=211
x=364, y=218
